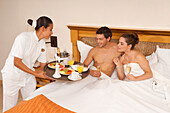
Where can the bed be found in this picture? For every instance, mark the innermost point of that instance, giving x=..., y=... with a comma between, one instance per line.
x=147, y=38
x=91, y=95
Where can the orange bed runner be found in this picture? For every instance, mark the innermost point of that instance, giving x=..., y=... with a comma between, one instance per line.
x=38, y=104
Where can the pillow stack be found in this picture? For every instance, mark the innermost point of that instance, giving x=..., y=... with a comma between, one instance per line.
x=160, y=65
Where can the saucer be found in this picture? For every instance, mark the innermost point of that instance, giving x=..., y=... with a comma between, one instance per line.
x=79, y=78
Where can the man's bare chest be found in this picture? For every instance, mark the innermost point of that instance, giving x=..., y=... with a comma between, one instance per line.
x=103, y=57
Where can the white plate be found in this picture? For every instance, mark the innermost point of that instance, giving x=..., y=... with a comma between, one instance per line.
x=63, y=73
x=52, y=66
x=75, y=68
x=69, y=77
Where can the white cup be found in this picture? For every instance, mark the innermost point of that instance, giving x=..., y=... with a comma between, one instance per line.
x=75, y=76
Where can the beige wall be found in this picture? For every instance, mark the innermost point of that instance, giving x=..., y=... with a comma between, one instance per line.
x=151, y=14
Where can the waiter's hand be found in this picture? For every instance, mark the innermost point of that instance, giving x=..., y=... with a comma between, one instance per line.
x=42, y=75
x=95, y=73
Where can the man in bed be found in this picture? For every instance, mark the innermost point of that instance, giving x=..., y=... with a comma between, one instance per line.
x=103, y=54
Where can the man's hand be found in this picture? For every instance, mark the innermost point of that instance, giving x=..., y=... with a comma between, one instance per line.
x=95, y=73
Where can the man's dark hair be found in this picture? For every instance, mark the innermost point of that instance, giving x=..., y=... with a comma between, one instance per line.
x=106, y=31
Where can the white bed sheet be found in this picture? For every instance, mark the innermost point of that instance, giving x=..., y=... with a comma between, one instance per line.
x=106, y=95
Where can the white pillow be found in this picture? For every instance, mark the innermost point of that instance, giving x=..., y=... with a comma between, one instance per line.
x=84, y=50
x=160, y=67
x=153, y=58
x=164, y=58
x=160, y=75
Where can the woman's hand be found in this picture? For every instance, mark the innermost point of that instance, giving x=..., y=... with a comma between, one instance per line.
x=41, y=75
x=95, y=73
x=116, y=61
x=131, y=77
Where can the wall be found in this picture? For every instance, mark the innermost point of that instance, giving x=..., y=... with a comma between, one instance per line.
x=150, y=14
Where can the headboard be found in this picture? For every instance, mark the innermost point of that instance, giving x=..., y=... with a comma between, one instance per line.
x=148, y=38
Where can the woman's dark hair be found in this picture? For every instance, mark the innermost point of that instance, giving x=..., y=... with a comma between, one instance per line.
x=106, y=31
x=131, y=38
x=42, y=21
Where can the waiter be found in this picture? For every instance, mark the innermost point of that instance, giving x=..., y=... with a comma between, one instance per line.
x=18, y=72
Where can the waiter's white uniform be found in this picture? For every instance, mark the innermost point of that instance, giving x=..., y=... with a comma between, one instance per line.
x=28, y=48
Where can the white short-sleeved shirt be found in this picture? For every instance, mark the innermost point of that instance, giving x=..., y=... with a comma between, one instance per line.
x=28, y=48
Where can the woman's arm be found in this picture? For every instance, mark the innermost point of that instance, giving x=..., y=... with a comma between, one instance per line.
x=119, y=68
x=144, y=64
x=19, y=64
x=42, y=65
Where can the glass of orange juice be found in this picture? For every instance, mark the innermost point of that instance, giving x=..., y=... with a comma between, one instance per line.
x=71, y=60
x=80, y=68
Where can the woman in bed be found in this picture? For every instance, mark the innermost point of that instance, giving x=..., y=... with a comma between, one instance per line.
x=131, y=60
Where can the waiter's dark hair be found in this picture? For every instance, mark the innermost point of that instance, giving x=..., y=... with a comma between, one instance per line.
x=42, y=21
x=106, y=31
x=131, y=38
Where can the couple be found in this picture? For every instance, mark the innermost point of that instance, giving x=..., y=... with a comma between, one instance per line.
x=106, y=95
x=106, y=55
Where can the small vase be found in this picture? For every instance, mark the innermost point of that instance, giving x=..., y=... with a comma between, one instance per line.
x=57, y=71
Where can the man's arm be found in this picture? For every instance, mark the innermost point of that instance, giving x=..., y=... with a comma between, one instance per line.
x=87, y=62
x=89, y=58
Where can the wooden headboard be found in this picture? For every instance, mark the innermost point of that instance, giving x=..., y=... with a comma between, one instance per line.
x=146, y=35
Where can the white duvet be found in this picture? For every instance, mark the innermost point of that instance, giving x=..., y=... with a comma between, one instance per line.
x=107, y=95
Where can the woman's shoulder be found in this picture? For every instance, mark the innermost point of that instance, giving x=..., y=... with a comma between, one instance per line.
x=138, y=55
x=23, y=37
x=25, y=34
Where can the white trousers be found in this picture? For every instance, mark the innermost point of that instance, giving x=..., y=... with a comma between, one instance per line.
x=11, y=89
